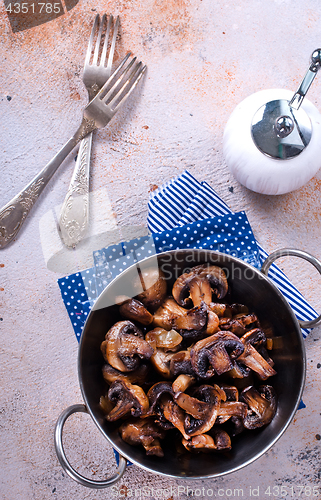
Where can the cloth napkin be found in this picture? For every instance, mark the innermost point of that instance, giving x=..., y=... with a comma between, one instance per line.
x=182, y=213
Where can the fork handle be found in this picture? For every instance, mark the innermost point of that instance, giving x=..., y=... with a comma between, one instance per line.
x=73, y=219
x=14, y=213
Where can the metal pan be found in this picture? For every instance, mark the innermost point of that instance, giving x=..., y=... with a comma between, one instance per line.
x=248, y=286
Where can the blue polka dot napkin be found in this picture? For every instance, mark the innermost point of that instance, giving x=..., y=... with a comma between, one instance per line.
x=183, y=213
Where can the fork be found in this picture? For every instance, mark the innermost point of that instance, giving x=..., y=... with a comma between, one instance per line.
x=73, y=219
x=97, y=114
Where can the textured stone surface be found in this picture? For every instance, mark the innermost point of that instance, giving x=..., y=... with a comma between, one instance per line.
x=203, y=58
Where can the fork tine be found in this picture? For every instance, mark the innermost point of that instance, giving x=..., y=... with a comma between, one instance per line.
x=112, y=46
x=119, y=85
x=112, y=84
x=104, y=51
x=91, y=39
x=135, y=79
x=106, y=86
x=98, y=41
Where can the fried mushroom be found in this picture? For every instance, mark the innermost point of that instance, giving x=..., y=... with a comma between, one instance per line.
x=128, y=399
x=125, y=346
x=202, y=442
x=251, y=358
x=167, y=313
x=143, y=432
x=154, y=286
x=201, y=409
x=262, y=404
x=136, y=311
x=214, y=354
x=199, y=285
x=137, y=376
x=159, y=338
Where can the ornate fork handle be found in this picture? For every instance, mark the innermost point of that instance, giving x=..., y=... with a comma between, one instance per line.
x=73, y=220
x=14, y=213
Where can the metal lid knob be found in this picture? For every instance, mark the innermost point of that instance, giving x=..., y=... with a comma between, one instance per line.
x=280, y=129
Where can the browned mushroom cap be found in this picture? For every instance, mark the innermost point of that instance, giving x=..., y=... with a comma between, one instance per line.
x=262, y=405
x=154, y=286
x=199, y=285
x=214, y=354
x=193, y=324
x=181, y=363
x=238, y=371
x=201, y=409
x=136, y=311
x=231, y=392
x=163, y=339
x=234, y=426
x=166, y=314
x=252, y=358
x=125, y=346
x=138, y=376
x=156, y=393
x=143, y=432
x=202, y=442
x=127, y=398
x=232, y=325
x=221, y=439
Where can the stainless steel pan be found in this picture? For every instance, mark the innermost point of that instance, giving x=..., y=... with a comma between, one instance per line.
x=248, y=286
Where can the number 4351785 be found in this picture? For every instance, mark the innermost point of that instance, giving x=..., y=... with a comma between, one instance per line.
x=34, y=8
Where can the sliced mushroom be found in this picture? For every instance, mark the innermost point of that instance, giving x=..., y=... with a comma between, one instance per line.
x=214, y=354
x=138, y=376
x=159, y=338
x=232, y=325
x=180, y=363
x=161, y=362
x=166, y=314
x=234, y=426
x=201, y=409
x=220, y=309
x=143, y=432
x=238, y=309
x=193, y=324
x=231, y=392
x=238, y=371
x=125, y=346
x=213, y=323
x=154, y=286
x=182, y=382
x=136, y=311
x=202, y=442
x=252, y=358
x=128, y=399
x=222, y=439
x=199, y=284
x=156, y=393
x=231, y=409
x=262, y=405
x=174, y=414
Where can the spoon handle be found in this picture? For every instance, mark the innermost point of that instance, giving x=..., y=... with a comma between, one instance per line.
x=300, y=94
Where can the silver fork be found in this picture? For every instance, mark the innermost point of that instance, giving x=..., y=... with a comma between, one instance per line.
x=97, y=114
x=73, y=219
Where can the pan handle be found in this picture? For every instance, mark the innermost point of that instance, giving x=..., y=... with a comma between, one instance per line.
x=284, y=252
x=64, y=461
